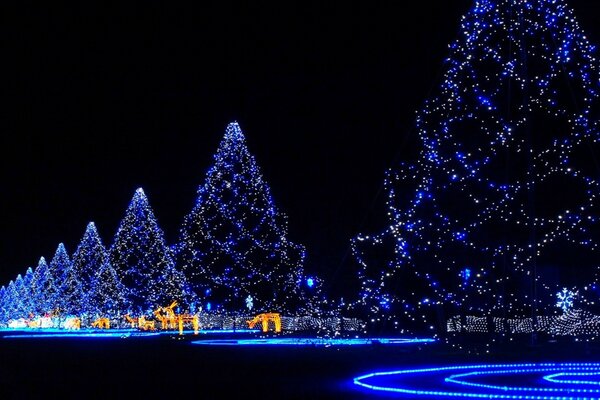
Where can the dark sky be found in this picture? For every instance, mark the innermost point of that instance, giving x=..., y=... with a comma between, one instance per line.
x=98, y=101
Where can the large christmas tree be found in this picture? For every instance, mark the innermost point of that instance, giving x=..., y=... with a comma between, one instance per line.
x=501, y=206
x=143, y=261
x=234, y=244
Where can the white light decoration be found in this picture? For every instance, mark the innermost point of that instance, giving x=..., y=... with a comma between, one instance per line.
x=565, y=299
x=249, y=303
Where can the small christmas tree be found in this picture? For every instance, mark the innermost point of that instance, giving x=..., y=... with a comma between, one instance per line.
x=143, y=261
x=88, y=259
x=38, y=283
x=54, y=285
x=234, y=242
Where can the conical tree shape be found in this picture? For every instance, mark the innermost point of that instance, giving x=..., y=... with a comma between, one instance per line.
x=88, y=259
x=142, y=259
x=502, y=201
x=54, y=285
x=38, y=283
x=234, y=244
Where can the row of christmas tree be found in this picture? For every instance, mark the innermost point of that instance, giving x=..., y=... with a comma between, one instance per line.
x=233, y=255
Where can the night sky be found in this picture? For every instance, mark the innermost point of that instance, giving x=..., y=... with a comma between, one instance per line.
x=98, y=101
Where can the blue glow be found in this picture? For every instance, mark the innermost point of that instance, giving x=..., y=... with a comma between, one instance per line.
x=310, y=282
x=456, y=192
x=466, y=274
x=103, y=335
x=94, y=333
x=312, y=342
x=452, y=381
x=213, y=331
x=45, y=331
x=235, y=217
x=553, y=378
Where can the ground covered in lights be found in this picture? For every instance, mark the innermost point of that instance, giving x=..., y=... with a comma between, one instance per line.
x=130, y=364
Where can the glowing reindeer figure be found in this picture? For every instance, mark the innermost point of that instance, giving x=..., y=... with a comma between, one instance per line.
x=265, y=318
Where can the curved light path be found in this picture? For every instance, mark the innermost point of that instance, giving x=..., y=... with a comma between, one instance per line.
x=311, y=341
x=543, y=381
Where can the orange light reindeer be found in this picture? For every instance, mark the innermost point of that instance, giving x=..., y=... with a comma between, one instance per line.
x=265, y=318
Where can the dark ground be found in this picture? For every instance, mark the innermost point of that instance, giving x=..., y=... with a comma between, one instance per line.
x=168, y=367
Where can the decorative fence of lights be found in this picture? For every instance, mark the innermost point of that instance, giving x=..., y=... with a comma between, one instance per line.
x=303, y=323
x=571, y=323
x=228, y=322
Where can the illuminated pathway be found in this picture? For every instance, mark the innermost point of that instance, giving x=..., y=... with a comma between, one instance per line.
x=544, y=381
x=311, y=341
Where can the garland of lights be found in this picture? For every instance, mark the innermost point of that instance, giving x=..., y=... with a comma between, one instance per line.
x=514, y=121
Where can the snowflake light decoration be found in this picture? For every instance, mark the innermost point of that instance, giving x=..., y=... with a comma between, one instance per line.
x=565, y=299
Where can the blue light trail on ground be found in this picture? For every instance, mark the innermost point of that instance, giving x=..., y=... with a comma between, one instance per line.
x=312, y=341
x=539, y=381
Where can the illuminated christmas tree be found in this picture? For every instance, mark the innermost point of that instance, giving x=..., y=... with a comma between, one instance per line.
x=88, y=259
x=501, y=206
x=54, y=285
x=143, y=261
x=38, y=283
x=20, y=298
x=234, y=242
